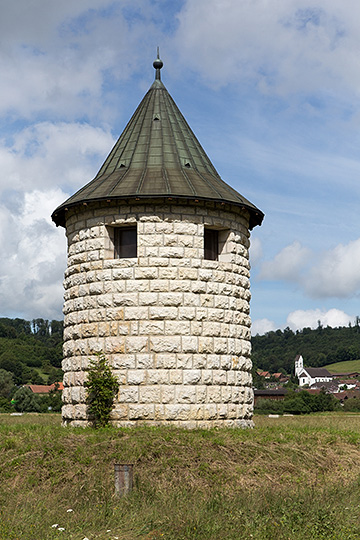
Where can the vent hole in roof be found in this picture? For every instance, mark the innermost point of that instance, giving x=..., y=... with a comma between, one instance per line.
x=156, y=119
x=122, y=165
x=187, y=165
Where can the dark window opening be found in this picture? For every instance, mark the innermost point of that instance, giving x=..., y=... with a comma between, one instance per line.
x=125, y=242
x=211, y=244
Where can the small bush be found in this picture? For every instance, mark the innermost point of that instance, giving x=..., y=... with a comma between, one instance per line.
x=102, y=387
x=269, y=406
x=352, y=405
x=296, y=406
x=25, y=401
x=6, y=383
x=5, y=405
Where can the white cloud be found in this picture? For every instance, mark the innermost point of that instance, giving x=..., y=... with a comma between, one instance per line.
x=32, y=271
x=261, y=326
x=284, y=46
x=310, y=318
x=336, y=273
x=40, y=160
x=287, y=264
x=299, y=319
x=53, y=154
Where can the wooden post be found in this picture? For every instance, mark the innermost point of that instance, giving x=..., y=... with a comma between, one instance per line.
x=123, y=479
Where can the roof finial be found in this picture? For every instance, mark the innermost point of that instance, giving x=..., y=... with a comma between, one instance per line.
x=158, y=64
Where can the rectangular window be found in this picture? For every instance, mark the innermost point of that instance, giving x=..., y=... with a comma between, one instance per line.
x=211, y=244
x=125, y=242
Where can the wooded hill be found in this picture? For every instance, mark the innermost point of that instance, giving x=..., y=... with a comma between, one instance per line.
x=276, y=351
x=31, y=351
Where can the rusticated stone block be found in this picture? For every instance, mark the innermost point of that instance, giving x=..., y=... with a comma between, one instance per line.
x=191, y=376
x=141, y=411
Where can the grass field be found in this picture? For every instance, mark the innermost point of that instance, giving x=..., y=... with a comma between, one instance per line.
x=344, y=367
x=289, y=478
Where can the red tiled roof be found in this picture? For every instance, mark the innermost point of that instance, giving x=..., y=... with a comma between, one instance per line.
x=263, y=373
x=347, y=394
x=314, y=391
x=44, y=388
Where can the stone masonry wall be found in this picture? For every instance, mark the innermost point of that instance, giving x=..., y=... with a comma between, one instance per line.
x=174, y=326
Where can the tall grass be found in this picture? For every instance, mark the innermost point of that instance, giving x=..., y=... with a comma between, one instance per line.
x=290, y=477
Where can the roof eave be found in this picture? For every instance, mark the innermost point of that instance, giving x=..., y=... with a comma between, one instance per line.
x=256, y=215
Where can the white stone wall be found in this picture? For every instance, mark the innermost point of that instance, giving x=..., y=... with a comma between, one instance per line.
x=175, y=327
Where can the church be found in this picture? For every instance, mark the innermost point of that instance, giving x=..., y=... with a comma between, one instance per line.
x=158, y=278
x=310, y=376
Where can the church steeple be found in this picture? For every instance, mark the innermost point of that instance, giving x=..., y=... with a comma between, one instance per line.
x=158, y=155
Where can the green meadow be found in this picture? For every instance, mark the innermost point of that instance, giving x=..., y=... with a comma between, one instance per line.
x=293, y=477
x=344, y=367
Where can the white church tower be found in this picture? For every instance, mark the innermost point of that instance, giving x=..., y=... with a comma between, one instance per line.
x=299, y=365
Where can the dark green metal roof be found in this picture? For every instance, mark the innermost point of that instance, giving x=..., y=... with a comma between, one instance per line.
x=157, y=155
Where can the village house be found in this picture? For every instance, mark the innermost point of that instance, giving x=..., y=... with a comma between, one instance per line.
x=42, y=389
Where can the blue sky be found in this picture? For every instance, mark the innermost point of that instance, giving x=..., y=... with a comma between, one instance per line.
x=272, y=91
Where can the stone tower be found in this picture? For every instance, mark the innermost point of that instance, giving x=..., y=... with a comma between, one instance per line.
x=158, y=278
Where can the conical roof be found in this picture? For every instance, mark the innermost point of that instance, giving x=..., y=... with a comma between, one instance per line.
x=157, y=155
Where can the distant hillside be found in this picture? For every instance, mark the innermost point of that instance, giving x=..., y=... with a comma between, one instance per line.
x=276, y=351
x=31, y=350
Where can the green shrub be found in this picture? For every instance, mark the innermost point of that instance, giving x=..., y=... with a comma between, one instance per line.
x=6, y=383
x=25, y=401
x=269, y=406
x=352, y=405
x=102, y=387
x=5, y=405
x=296, y=405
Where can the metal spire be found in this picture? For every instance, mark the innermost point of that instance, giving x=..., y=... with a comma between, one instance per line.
x=158, y=64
